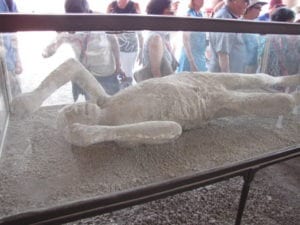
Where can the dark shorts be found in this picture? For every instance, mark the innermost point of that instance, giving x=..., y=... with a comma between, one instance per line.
x=109, y=83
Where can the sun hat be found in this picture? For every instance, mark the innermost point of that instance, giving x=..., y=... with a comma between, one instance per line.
x=256, y=2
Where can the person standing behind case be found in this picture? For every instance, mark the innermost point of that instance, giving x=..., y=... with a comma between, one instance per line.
x=12, y=58
x=192, y=56
x=130, y=42
x=226, y=48
x=252, y=40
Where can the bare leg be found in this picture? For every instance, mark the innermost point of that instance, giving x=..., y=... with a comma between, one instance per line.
x=260, y=104
x=71, y=70
x=254, y=81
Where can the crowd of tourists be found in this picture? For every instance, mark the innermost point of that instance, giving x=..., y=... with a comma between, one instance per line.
x=113, y=57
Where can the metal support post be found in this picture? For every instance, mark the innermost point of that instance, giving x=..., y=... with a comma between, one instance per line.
x=248, y=177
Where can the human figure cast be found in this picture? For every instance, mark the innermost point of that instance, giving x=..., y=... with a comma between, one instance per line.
x=159, y=109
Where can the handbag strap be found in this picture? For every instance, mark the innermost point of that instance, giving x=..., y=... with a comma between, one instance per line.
x=84, y=48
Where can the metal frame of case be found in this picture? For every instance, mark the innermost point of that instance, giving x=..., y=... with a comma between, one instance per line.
x=111, y=202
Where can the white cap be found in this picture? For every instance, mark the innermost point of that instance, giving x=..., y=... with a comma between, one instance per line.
x=256, y=2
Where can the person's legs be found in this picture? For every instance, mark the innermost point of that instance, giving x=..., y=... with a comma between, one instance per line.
x=128, y=60
x=109, y=83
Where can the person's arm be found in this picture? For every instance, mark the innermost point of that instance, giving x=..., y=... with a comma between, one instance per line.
x=109, y=8
x=224, y=62
x=141, y=46
x=137, y=8
x=140, y=36
x=17, y=59
x=156, y=49
x=116, y=53
x=188, y=50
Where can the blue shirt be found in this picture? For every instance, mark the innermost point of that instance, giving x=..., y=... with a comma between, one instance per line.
x=231, y=44
x=10, y=49
x=4, y=7
x=264, y=17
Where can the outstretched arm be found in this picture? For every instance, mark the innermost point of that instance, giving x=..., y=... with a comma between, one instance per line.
x=224, y=62
x=71, y=70
x=54, y=45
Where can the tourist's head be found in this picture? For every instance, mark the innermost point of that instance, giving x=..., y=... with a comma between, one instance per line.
x=237, y=7
x=253, y=9
x=159, y=7
x=283, y=14
x=77, y=6
x=196, y=4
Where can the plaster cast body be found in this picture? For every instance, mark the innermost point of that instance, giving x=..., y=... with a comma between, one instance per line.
x=157, y=110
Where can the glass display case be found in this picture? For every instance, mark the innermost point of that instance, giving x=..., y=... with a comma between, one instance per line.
x=84, y=137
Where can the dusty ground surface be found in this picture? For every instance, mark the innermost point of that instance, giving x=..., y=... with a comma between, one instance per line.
x=38, y=169
x=273, y=200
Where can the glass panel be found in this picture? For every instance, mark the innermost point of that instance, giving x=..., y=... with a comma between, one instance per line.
x=57, y=153
x=3, y=97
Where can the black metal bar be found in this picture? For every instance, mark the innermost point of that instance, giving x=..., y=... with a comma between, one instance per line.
x=115, y=201
x=248, y=177
x=96, y=22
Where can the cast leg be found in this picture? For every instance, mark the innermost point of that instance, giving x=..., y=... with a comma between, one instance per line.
x=149, y=132
x=260, y=104
x=255, y=81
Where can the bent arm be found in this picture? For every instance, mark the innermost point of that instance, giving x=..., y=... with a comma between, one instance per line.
x=188, y=50
x=109, y=8
x=224, y=62
x=137, y=8
x=116, y=52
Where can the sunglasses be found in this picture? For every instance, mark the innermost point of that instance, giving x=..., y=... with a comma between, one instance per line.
x=256, y=7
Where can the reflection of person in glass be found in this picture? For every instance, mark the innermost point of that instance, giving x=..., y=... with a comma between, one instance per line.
x=12, y=58
x=192, y=56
